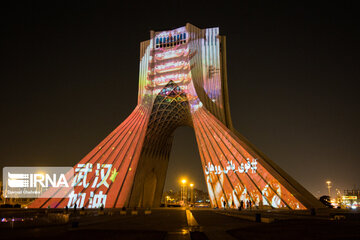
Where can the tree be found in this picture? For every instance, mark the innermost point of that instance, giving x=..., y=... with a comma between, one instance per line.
x=326, y=201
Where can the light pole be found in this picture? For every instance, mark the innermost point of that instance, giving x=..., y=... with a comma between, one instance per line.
x=183, y=182
x=328, y=186
x=191, y=193
x=338, y=197
x=167, y=200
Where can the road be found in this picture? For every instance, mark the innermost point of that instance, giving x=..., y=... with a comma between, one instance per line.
x=181, y=223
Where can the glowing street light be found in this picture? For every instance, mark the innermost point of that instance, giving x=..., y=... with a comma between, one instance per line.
x=329, y=186
x=192, y=193
x=183, y=182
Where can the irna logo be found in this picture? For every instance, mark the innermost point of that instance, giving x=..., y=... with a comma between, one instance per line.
x=37, y=182
x=16, y=180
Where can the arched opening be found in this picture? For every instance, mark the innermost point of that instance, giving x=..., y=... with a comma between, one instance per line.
x=184, y=162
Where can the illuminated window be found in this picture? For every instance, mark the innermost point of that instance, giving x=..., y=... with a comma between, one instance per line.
x=157, y=43
x=160, y=42
x=182, y=38
x=170, y=41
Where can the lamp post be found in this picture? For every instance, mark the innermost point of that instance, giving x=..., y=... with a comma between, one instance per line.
x=328, y=186
x=191, y=193
x=167, y=200
x=182, y=190
x=338, y=197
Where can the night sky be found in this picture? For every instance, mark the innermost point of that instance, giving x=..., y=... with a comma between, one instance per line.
x=69, y=76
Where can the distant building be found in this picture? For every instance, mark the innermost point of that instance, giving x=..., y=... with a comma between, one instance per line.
x=351, y=198
x=174, y=197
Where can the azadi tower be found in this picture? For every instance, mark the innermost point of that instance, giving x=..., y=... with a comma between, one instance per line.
x=182, y=81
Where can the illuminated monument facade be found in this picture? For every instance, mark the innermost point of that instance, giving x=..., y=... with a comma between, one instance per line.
x=182, y=81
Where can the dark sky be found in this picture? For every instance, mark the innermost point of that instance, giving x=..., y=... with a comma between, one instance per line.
x=69, y=76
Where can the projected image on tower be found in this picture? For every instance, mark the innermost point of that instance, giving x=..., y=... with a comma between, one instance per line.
x=182, y=81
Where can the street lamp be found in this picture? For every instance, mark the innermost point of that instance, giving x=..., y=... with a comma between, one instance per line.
x=192, y=193
x=338, y=197
x=329, y=186
x=167, y=198
x=182, y=190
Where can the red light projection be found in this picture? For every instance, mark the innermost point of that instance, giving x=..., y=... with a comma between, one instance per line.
x=232, y=173
x=104, y=176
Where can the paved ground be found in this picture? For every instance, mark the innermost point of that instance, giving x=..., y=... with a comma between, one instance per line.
x=301, y=229
x=179, y=223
